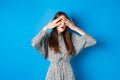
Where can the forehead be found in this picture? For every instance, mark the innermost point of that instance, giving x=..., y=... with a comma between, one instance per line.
x=62, y=16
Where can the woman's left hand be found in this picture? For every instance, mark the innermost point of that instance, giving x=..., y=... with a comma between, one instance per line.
x=70, y=24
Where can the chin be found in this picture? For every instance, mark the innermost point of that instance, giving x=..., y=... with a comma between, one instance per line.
x=62, y=30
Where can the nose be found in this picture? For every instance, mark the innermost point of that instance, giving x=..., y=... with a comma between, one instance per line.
x=62, y=22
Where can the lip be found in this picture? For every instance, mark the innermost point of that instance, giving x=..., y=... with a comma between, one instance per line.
x=62, y=27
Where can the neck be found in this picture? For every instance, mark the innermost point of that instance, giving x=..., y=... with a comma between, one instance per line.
x=59, y=33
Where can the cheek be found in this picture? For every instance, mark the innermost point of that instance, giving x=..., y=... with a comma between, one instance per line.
x=65, y=26
x=58, y=28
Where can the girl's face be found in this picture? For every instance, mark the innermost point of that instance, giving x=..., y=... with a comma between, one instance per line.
x=62, y=26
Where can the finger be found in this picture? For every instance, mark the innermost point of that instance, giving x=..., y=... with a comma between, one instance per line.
x=66, y=20
x=71, y=20
x=56, y=20
x=57, y=24
x=50, y=21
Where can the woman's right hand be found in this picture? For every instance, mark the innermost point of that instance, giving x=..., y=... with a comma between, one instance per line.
x=52, y=24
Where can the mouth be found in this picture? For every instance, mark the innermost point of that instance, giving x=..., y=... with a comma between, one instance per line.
x=62, y=27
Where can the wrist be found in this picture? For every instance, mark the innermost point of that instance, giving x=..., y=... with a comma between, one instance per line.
x=45, y=28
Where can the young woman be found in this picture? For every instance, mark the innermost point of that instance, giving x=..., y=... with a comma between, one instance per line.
x=60, y=46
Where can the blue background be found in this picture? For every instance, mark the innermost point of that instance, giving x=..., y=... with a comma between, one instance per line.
x=21, y=20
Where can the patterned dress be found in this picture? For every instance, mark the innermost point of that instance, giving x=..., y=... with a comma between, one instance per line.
x=60, y=67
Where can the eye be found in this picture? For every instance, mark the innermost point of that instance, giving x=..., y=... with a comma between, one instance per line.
x=59, y=21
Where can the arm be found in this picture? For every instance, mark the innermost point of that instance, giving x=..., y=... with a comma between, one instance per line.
x=80, y=42
x=40, y=41
x=89, y=40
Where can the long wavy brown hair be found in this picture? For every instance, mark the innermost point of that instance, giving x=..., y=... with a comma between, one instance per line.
x=53, y=39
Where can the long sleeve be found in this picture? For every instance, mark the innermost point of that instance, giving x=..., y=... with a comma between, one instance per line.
x=80, y=42
x=40, y=42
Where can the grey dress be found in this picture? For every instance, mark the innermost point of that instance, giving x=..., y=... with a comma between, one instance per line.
x=60, y=67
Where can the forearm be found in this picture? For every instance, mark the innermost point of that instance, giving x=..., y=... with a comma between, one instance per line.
x=45, y=28
x=85, y=37
x=80, y=31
